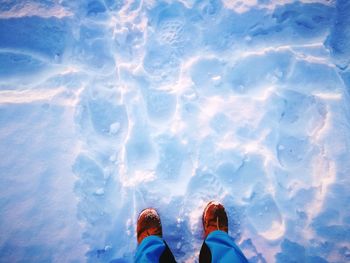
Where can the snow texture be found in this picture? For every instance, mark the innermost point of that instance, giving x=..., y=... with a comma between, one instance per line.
x=111, y=106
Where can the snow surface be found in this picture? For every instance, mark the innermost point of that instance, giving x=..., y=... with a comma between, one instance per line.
x=111, y=106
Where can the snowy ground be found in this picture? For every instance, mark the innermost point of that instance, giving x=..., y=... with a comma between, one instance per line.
x=111, y=106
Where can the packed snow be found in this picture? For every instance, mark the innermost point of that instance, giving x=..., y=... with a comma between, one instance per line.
x=108, y=107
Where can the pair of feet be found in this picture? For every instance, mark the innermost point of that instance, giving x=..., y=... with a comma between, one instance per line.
x=214, y=218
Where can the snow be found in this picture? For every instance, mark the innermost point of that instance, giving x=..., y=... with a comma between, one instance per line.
x=108, y=107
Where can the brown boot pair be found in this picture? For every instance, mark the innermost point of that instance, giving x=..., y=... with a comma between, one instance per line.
x=214, y=218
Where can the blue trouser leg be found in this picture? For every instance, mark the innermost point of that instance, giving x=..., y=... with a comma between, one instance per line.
x=217, y=247
x=153, y=249
x=220, y=247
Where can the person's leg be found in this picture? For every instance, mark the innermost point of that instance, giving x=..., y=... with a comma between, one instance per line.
x=151, y=246
x=218, y=246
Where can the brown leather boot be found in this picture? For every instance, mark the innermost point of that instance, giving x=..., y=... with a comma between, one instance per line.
x=148, y=224
x=214, y=218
